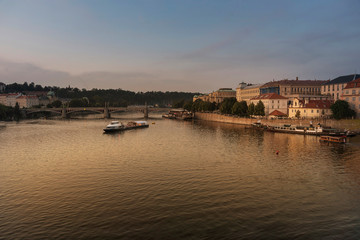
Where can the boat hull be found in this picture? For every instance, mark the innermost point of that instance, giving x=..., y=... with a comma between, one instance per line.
x=124, y=128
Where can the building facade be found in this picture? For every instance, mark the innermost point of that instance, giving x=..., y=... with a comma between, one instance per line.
x=351, y=94
x=294, y=88
x=245, y=92
x=217, y=96
x=310, y=108
x=27, y=101
x=2, y=87
x=334, y=88
x=272, y=102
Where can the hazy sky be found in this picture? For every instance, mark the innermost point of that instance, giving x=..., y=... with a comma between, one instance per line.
x=176, y=45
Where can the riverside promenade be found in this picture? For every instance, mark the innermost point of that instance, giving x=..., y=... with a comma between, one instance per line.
x=351, y=124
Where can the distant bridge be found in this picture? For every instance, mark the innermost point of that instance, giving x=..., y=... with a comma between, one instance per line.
x=65, y=112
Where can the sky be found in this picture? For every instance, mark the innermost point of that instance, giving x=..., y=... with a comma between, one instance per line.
x=176, y=45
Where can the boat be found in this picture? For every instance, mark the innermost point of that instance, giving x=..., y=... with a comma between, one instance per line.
x=179, y=114
x=305, y=130
x=116, y=126
x=340, y=139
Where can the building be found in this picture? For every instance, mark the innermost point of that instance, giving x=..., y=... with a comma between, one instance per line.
x=2, y=87
x=217, y=96
x=301, y=89
x=272, y=102
x=27, y=101
x=334, y=88
x=310, y=108
x=9, y=99
x=351, y=94
x=244, y=92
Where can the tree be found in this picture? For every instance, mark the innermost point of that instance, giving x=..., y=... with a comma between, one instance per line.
x=251, y=109
x=297, y=114
x=341, y=109
x=188, y=105
x=17, y=113
x=240, y=109
x=226, y=105
x=260, y=109
x=56, y=103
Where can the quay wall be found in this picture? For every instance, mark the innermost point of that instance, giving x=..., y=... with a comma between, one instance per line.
x=351, y=124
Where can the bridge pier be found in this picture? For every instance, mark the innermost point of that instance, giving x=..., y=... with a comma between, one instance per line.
x=146, y=111
x=63, y=113
x=106, y=112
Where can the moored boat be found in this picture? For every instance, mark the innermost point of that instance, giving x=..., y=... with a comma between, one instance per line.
x=179, y=114
x=305, y=130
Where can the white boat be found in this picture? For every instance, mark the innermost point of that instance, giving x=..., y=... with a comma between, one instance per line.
x=114, y=126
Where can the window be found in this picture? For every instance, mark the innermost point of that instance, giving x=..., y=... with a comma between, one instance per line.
x=304, y=111
x=312, y=111
x=337, y=87
x=353, y=99
x=329, y=88
x=333, y=87
x=347, y=99
x=317, y=111
x=353, y=91
x=347, y=91
x=337, y=96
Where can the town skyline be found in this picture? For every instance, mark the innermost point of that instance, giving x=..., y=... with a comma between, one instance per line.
x=170, y=46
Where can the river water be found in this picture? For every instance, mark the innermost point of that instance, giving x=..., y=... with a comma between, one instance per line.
x=174, y=180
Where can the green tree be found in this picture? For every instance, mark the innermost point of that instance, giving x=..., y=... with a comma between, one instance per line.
x=17, y=113
x=56, y=103
x=260, y=109
x=341, y=109
x=251, y=109
x=240, y=109
x=179, y=104
x=226, y=105
x=297, y=114
x=188, y=105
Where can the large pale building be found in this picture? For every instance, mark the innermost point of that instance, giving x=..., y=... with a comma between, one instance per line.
x=9, y=99
x=351, y=94
x=2, y=87
x=301, y=89
x=334, y=88
x=310, y=108
x=217, y=96
x=272, y=102
x=27, y=101
x=244, y=92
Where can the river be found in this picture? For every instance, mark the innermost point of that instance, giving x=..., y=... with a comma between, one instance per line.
x=174, y=180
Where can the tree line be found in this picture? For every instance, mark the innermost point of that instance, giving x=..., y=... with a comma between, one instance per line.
x=228, y=106
x=98, y=97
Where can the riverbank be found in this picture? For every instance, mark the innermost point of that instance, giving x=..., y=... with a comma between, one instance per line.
x=351, y=124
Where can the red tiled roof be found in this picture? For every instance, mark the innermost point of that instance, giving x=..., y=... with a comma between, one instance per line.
x=294, y=83
x=353, y=84
x=322, y=104
x=268, y=96
x=277, y=113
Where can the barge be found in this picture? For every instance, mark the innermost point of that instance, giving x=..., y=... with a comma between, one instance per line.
x=179, y=114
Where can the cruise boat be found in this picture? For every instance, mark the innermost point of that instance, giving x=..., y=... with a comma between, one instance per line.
x=305, y=130
x=115, y=126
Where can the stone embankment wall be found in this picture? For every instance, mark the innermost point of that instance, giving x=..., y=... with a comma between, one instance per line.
x=351, y=124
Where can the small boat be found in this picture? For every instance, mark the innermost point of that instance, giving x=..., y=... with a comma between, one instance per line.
x=115, y=126
x=340, y=139
x=179, y=114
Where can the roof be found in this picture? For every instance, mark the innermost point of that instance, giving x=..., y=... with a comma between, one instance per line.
x=294, y=83
x=353, y=84
x=252, y=86
x=321, y=104
x=268, y=96
x=343, y=79
x=277, y=113
x=226, y=90
x=27, y=97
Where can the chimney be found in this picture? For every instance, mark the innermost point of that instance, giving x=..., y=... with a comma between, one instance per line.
x=297, y=78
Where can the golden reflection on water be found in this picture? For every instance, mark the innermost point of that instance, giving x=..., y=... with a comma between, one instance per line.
x=66, y=179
